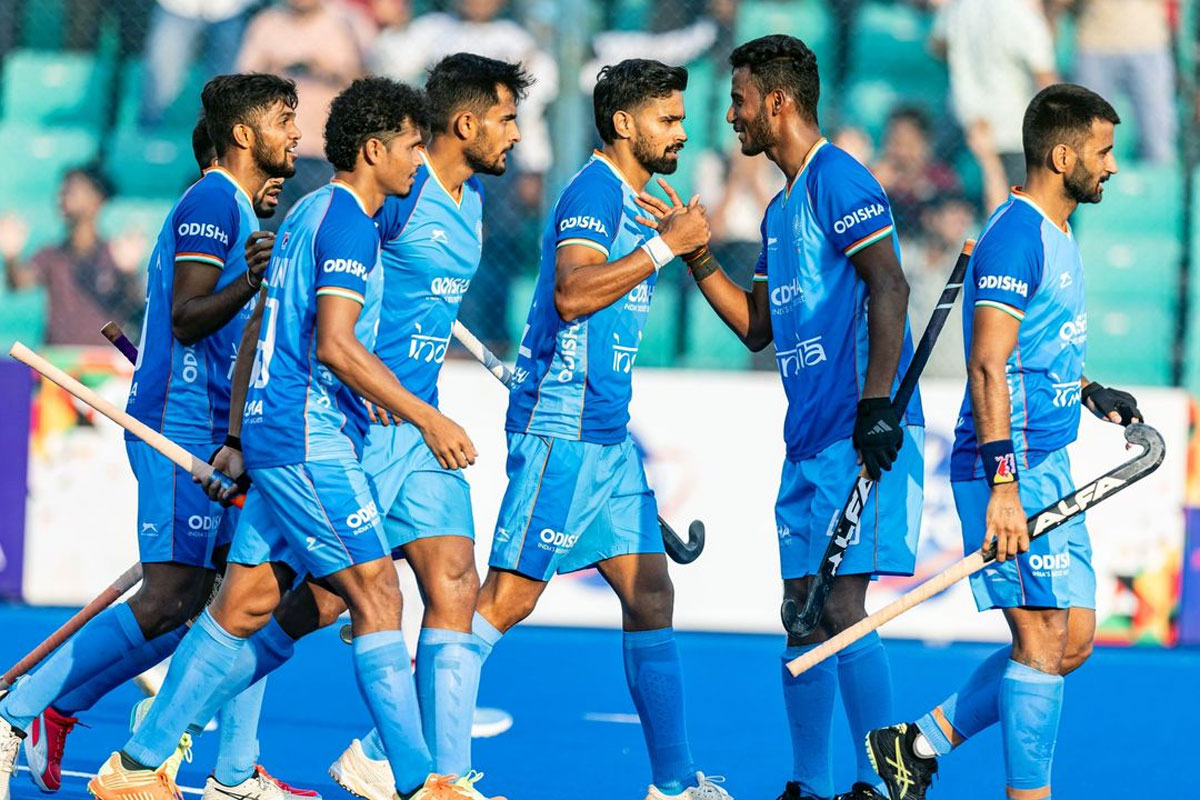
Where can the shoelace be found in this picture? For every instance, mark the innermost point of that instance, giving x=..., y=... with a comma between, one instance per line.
x=281, y=784
x=67, y=724
x=709, y=788
x=169, y=784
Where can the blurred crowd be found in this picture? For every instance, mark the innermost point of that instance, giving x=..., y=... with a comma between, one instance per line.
x=945, y=164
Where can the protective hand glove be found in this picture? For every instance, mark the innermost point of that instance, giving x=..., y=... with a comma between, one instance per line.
x=877, y=435
x=1103, y=401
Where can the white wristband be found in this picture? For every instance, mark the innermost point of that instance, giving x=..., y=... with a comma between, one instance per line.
x=659, y=251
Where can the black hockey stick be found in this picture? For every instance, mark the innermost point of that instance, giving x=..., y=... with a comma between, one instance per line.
x=801, y=623
x=1039, y=524
x=681, y=552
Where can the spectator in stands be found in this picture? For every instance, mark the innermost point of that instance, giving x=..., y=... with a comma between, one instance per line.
x=1000, y=53
x=1123, y=47
x=856, y=142
x=316, y=44
x=907, y=169
x=175, y=28
x=88, y=280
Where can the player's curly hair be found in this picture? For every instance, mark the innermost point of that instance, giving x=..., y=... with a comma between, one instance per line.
x=1061, y=114
x=467, y=82
x=370, y=108
x=784, y=63
x=238, y=100
x=629, y=84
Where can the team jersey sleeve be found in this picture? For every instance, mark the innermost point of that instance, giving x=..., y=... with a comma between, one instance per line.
x=588, y=213
x=206, y=226
x=345, y=253
x=850, y=205
x=760, y=266
x=1006, y=271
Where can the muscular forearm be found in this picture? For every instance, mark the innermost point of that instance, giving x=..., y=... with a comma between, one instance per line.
x=243, y=368
x=885, y=332
x=737, y=308
x=366, y=375
x=584, y=289
x=991, y=405
x=202, y=316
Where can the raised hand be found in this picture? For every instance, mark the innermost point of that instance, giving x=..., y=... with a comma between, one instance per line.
x=683, y=227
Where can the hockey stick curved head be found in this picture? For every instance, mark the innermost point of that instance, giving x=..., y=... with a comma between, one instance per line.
x=678, y=550
x=1150, y=440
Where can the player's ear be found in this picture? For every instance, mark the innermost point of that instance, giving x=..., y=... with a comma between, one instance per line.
x=372, y=150
x=623, y=124
x=1062, y=158
x=244, y=135
x=776, y=100
x=465, y=126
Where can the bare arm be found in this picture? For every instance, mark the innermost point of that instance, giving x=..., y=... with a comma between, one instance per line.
x=747, y=313
x=196, y=311
x=887, y=288
x=243, y=368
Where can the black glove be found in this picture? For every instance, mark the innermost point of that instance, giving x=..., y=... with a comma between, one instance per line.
x=242, y=482
x=1104, y=401
x=877, y=435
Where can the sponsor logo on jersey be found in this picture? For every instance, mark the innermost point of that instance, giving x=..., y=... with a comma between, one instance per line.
x=363, y=519
x=784, y=295
x=205, y=230
x=347, y=265
x=200, y=525
x=559, y=542
x=582, y=222
x=453, y=288
x=858, y=215
x=805, y=355
x=784, y=532
x=1066, y=394
x=502, y=535
x=430, y=349
x=1054, y=563
x=624, y=355
x=1074, y=331
x=1005, y=283
x=253, y=411
x=639, y=297
x=149, y=529
x=568, y=351
x=1064, y=280
x=191, y=365
x=438, y=236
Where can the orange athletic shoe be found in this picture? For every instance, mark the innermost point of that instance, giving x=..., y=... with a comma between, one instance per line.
x=451, y=787
x=115, y=782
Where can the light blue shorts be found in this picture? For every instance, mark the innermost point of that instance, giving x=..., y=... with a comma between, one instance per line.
x=176, y=520
x=317, y=517
x=1057, y=571
x=418, y=498
x=571, y=504
x=813, y=492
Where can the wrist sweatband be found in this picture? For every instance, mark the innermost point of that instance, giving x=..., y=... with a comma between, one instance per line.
x=999, y=462
x=659, y=251
x=233, y=442
x=254, y=284
x=701, y=264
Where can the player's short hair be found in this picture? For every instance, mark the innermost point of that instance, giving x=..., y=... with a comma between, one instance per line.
x=202, y=146
x=370, y=108
x=628, y=85
x=784, y=63
x=467, y=82
x=238, y=99
x=1061, y=114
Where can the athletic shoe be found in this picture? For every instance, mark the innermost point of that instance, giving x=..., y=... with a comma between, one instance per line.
x=466, y=786
x=291, y=792
x=860, y=791
x=706, y=790
x=256, y=787
x=906, y=774
x=794, y=791
x=363, y=777
x=115, y=782
x=183, y=750
x=10, y=743
x=450, y=787
x=44, y=748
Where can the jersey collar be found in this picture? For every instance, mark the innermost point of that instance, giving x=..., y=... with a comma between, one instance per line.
x=608, y=162
x=1019, y=194
x=437, y=179
x=787, y=190
x=227, y=175
x=336, y=184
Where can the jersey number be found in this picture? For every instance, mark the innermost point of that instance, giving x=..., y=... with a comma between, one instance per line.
x=266, y=344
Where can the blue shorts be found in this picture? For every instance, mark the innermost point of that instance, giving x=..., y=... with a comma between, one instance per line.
x=317, y=517
x=572, y=504
x=813, y=492
x=1057, y=571
x=418, y=498
x=176, y=520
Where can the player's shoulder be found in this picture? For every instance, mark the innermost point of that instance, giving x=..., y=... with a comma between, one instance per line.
x=831, y=168
x=474, y=184
x=213, y=191
x=1014, y=226
x=396, y=211
x=596, y=184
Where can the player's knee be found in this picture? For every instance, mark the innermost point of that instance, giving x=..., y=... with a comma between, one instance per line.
x=841, y=614
x=651, y=607
x=1077, y=653
x=453, y=591
x=376, y=603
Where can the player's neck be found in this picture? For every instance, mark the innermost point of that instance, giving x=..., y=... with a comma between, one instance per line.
x=364, y=186
x=1048, y=192
x=449, y=164
x=620, y=153
x=244, y=170
x=793, y=148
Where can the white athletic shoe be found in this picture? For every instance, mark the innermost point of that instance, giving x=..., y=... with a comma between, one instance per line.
x=360, y=776
x=256, y=787
x=10, y=745
x=707, y=790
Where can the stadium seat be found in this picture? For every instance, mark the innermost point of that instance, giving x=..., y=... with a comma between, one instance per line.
x=36, y=157
x=55, y=88
x=158, y=164
x=1139, y=198
x=121, y=215
x=657, y=347
x=710, y=343
x=43, y=24
x=22, y=317
x=182, y=113
x=809, y=20
x=1129, y=342
x=1142, y=267
x=890, y=43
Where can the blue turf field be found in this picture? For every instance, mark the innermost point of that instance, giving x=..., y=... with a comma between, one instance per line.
x=1126, y=729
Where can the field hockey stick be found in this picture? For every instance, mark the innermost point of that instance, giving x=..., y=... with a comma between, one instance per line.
x=681, y=552
x=1039, y=524
x=198, y=468
x=127, y=580
x=112, y=331
x=803, y=622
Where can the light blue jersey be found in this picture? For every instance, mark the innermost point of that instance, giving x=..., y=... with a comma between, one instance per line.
x=575, y=377
x=431, y=247
x=183, y=391
x=297, y=410
x=833, y=209
x=1028, y=267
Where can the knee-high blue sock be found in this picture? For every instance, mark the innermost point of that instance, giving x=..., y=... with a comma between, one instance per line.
x=486, y=633
x=203, y=659
x=110, y=636
x=808, y=700
x=237, y=750
x=135, y=663
x=384, y=672
x=264, y=652
x=655, y=679
x=973, y=707
x=448, y=664
x=865, y=677
x=1030, y=706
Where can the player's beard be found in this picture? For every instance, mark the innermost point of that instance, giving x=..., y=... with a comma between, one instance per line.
x=758, y=133
x=266, y=161
x=1083, y=186
x=480, y=156
x=655, y=162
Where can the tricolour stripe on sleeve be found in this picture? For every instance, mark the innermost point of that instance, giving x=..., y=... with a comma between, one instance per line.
x=203, y=258
x=1015, y=313
x=586, y=243
x=868, y=240
x=338, y=291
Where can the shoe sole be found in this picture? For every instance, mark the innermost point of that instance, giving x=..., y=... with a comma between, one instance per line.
x=348, y=782
x=35, y=772
x=875, y=764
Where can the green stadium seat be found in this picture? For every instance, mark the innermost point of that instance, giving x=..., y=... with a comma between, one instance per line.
x=520, y=296
x=710, y=343
x=182, y=113
x=657, y=347
x=22, y=317
x=43, y=25
x=1140, y=199
x=121, y=215
x=1140, y=267
x=890, y=43
x=158, y=164
x=1129, y=341
x=36, y=157
x=55, y=88
x=808, y=20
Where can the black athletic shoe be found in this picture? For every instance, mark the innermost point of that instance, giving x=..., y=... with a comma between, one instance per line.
x=860, y=791
x=794, y=791
x=906, y=774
